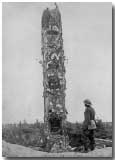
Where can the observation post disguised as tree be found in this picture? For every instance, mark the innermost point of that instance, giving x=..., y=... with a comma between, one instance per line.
x=54, y=82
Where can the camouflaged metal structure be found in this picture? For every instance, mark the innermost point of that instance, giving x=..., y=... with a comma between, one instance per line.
x=54, y=82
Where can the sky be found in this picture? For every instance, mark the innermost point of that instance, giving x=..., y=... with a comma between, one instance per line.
x=87, y=36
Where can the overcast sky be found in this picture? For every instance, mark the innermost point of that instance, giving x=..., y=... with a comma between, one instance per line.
x=87, y=34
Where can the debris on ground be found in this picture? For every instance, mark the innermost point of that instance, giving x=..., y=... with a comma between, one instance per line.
x=14, y=150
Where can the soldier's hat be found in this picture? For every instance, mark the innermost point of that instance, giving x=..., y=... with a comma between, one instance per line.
x=87, y=101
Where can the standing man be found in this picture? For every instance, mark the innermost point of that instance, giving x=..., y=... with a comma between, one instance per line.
x=89, y=126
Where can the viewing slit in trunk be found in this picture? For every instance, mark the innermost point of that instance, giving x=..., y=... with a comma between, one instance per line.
x=55, y=124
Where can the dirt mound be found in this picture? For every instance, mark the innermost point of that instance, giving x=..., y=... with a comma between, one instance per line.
x=14, y=150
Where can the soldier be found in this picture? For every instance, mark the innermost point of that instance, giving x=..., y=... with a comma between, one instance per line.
x=89, y=126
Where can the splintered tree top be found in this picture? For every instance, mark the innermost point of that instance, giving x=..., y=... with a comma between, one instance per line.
x=51, y=17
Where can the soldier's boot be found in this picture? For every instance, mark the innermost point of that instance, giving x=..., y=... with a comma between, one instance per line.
x=92, y=147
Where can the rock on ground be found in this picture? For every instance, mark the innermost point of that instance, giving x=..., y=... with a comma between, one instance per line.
x=14, y=150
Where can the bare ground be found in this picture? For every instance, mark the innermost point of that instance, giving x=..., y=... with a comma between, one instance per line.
x=14, y=150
